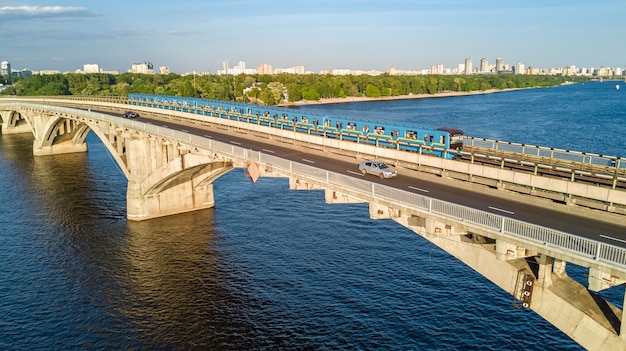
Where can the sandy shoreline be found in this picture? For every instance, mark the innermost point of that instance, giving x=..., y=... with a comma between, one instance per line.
x=399, y=97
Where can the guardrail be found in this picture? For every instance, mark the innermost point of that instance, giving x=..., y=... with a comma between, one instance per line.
x=586, y=250
x=110, y=99
x=547, y=152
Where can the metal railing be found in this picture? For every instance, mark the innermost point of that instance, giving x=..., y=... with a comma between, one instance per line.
x=547, y=152
x=587, y=250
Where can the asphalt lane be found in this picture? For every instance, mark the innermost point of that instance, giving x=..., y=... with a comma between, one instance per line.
x=610, y=233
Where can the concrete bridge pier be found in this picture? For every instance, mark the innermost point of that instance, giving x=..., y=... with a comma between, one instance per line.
x=167, y=178
x=57, y=135
x=14, y=123
x=535, y=281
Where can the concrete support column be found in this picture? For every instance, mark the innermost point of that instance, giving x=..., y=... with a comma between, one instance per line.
x=559, y=268
x=545, y=271
x=161, y=186
x=599, y=280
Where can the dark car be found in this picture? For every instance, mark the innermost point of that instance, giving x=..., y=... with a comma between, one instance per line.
x=131, y=114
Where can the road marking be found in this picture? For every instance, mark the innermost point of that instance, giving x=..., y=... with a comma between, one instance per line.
x=309, y=161
x=612, y=238
x=234, y=142
x=270, y=151
x=418, y=189
x=501, y=210
x=357, y=173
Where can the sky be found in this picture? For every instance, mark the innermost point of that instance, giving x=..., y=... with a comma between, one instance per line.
x=198, y=35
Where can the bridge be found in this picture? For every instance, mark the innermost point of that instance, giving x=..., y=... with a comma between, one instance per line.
x=172, y=157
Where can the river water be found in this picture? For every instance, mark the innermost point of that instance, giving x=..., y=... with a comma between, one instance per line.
x=268, y=268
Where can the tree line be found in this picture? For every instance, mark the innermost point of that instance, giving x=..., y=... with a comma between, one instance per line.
x=269, y=89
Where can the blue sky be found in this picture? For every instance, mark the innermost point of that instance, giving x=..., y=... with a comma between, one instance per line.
x=188, y=35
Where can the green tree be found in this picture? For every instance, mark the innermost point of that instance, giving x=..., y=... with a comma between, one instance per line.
x=372, y=91
x=298, y=87
x=310, y=94
x=294, y=92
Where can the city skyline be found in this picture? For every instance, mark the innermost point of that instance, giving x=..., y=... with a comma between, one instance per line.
x=362, y=35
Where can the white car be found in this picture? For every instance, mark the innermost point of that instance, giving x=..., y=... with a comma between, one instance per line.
x=377, y=168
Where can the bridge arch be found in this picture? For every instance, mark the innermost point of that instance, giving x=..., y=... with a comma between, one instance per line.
x=14, y=122
x=165, y=176
x=59, y=135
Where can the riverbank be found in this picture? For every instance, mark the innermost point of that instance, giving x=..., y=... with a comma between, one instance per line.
x=398, y=97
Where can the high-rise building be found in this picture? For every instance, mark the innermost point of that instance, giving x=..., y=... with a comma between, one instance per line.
x=264, y=69
x=484, y=65
x=604, y=72
x=468, y=65
x=5, y=68
x=436, y=69
x=519, y=68
x=499, y=65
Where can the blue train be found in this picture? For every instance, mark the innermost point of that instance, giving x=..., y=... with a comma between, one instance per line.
x=441, y=142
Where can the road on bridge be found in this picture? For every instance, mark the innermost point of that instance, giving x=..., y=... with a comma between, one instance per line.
x=611, y=233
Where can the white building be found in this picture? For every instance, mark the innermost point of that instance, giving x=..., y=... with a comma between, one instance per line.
x=484, y=65
x=5, y=68
x=239, y=69
x=341, y=72
x=292, y=70
x=91, y=68
x=144, y=67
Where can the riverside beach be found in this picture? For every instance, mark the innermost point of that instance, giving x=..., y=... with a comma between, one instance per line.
x=397, y=97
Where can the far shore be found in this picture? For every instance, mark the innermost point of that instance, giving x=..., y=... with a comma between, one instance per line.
x=398, y=97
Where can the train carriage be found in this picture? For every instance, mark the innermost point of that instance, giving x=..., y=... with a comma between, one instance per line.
x=442, y=142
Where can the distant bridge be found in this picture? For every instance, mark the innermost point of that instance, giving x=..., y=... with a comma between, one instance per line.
x=171, y=165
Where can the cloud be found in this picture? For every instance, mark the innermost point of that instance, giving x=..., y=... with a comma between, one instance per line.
x=17, y=13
